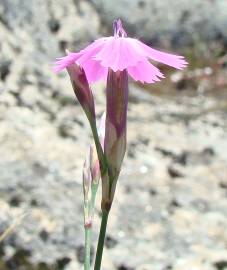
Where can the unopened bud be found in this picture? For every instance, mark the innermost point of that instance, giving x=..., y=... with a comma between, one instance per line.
x=115, y=133
x=82, y=90
x=86, y=178
x=91, y=177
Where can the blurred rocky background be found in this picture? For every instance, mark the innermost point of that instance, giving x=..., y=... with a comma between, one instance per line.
x=170, y=210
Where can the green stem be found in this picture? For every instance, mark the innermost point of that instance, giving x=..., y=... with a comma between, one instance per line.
x=102, y=234
x=87, y=258
x=101, y=156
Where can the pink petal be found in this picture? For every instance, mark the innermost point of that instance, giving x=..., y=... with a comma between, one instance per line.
x=145, y=72
x=97, y=43
x=118, y=54
x=89, y=53
x=94, y=71
x=84, y=55
x=162, y=57
x=65, y=61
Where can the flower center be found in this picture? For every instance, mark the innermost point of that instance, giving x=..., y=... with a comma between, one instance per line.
x=118, y=29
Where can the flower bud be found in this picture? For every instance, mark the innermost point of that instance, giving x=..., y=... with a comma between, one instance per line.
x=87, y=193
x=82, y=90
x=86, y=178
x=115, y=133
x=91, y=176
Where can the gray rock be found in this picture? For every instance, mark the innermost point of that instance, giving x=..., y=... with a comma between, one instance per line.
x=179, y=22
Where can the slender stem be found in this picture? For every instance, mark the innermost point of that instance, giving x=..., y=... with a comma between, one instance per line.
x=87, y=230
x=87, y=258
x=102, y=234
x=101, y=156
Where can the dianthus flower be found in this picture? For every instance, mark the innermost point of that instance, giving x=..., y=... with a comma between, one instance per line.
x=112, y=59
x=120, y=52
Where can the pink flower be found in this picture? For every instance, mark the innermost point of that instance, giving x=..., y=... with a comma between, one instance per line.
x=120, y=52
